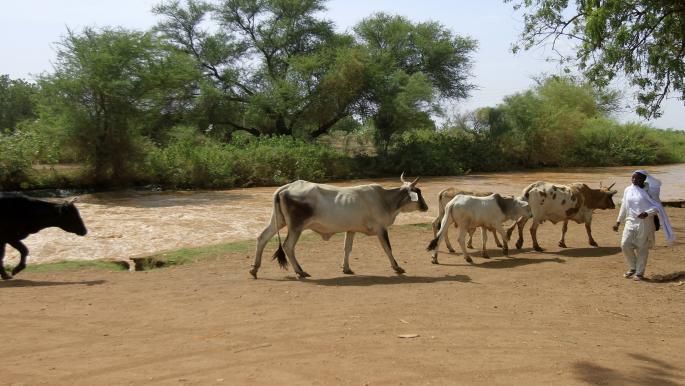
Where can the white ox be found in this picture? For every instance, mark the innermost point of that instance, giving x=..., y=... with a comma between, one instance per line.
x=445, y=196
x=469, y=212
x=556, y=203
x=326, y=209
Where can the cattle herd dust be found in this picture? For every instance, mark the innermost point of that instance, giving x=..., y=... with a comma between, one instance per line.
x=137, y=223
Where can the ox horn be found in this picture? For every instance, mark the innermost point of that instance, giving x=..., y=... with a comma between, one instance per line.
x=611, y=186
x=415, y=181
x=73, y=200
x=402, y=178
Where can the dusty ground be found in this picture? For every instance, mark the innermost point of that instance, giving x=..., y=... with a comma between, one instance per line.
x=559, y=317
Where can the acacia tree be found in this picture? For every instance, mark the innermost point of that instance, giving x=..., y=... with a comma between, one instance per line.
x=411, y=67
x=270, y=66
x=641, y=39
x=109, y=88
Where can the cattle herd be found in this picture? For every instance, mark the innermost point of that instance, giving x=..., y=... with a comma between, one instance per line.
x=369, y=209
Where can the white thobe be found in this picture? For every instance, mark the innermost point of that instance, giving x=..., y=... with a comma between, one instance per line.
x=638, y=233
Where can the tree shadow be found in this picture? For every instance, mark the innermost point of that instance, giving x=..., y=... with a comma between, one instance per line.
x=36, y=283
x=587, y=252
x=650, y=371
x=365, y=281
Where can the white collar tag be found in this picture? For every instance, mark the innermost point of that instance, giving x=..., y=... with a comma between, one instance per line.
x=413, y=196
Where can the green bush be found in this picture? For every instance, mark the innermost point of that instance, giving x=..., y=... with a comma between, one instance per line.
x=247, y=162
x=602, y=142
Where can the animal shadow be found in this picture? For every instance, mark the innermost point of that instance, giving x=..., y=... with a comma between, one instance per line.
x=36, y=283
x=588, y=252
x=366, y=281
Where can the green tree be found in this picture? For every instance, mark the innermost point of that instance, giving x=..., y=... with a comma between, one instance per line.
x=411, y=67
x=109, y=88
x=17, y=101
x=640, y=39
x=271, y=66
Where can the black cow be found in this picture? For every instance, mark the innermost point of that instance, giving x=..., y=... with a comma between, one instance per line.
x=21, y=216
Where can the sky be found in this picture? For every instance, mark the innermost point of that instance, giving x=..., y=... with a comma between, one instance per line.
x=30, y=29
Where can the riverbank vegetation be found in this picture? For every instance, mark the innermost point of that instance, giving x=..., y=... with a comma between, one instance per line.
x=272, y=93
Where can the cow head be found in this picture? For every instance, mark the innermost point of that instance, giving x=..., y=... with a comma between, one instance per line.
x=602, y=198
x=522, y=208
x=412, y=199
x=70, y=219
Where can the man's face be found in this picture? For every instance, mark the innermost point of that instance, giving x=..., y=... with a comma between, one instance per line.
x=639, y=179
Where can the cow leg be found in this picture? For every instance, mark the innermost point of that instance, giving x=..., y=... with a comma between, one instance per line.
x=3, y=273
x=264, y=238
x=23, y=251
x=588, y=229
x=520, y=224
x=564, y=228
x=447, y=240
x=289, y=249
x=505, y=240
x=469, y=244
x=534, y=236
x=497, y=242
x=385, y=243
x=484, y=236
x=349, y=237
x=462, y=236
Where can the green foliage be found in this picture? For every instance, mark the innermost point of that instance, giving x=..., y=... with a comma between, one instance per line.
x=19, y=151
x=16, y=102
x=109, y=88
x=641, y=39
x=607, y=143
x=409, y=67
x=206, y=163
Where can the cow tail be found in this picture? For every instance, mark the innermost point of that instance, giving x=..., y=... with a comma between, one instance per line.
x=279, y=255
x=444, y=224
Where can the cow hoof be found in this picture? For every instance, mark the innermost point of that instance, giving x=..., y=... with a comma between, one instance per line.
x=348, y=271
x=253, y=273
x=6, y=277
x=303, y=274
x=562, y=245
x=434, y=260
x=469, y=246
x=538, y=248
x=451, y=250
x=399, y=270
x=485, y=256
x=594, y=243
x=519, y=244
x=468, y=259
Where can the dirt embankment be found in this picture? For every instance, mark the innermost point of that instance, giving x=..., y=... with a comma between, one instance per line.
x=558, y=317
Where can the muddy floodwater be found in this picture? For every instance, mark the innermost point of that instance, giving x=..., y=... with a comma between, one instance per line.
x=133, y=223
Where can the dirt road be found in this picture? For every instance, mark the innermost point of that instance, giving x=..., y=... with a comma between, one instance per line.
x=558, y=317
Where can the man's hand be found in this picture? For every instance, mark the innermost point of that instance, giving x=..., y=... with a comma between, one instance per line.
x=642, y=215
x=615, y=227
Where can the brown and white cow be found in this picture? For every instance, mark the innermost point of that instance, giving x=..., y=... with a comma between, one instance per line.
x=445, y=196
x=470, y=212
x=575, y=202
x=326, y=209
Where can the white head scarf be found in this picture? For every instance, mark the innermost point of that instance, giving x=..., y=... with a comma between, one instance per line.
x=651, y=194
x=653, y=185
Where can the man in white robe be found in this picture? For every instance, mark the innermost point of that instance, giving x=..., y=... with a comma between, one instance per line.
x=638, y=209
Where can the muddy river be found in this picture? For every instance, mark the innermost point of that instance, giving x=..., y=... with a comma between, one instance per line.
x=134, y=223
